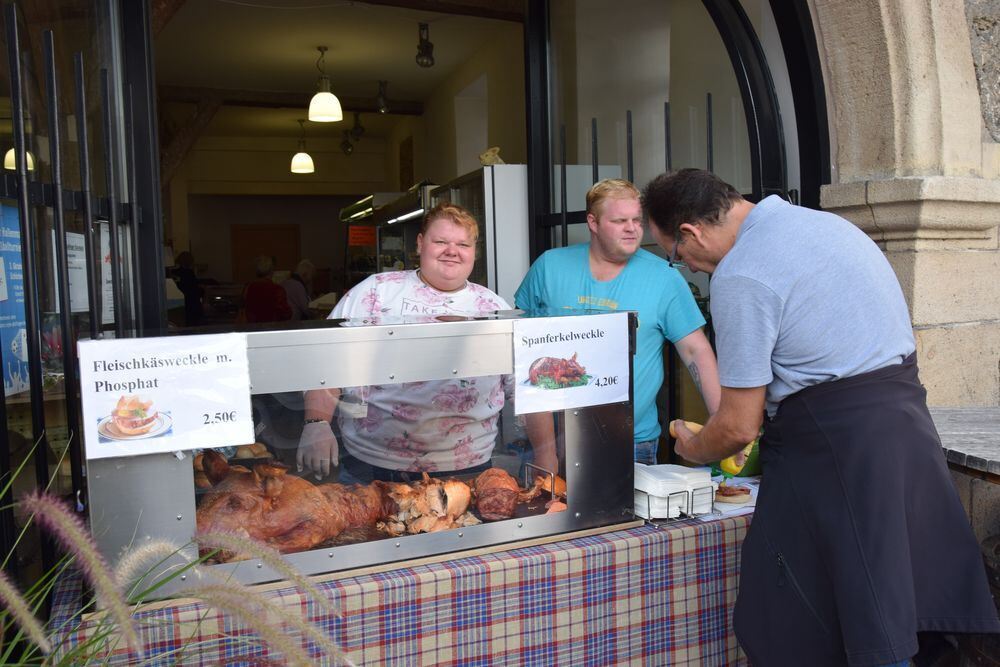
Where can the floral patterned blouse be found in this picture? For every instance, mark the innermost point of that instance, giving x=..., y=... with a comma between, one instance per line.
x=420, y=426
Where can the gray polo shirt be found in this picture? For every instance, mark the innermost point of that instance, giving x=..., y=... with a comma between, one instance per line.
x=804, y=297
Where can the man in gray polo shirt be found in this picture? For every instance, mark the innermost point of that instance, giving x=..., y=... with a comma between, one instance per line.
x=858, y=541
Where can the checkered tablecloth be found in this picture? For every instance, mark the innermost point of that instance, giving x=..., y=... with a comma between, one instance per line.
x=652, y=595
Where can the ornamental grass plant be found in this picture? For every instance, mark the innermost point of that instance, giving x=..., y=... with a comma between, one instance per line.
x=112, y=615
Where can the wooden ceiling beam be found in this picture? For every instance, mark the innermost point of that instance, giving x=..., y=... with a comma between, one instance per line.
x=163, y=11
x=505, y=10
x=184, y=139
x=270, y=100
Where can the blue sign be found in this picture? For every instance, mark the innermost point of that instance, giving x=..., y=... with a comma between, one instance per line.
x=13, y=338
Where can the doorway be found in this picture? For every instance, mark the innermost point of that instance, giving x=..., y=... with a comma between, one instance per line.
x=279, y=242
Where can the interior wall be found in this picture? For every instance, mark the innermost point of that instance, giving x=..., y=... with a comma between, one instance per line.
x=322, y=239
x=607, y=62
x=501, y=61
x=219, y=165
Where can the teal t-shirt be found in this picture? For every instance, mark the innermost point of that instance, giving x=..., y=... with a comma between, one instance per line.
x=561, y=278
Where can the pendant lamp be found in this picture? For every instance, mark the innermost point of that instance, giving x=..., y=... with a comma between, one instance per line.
x=302, y=162
x=10, y=160
x=324, y=106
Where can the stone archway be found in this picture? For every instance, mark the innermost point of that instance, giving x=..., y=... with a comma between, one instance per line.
x=913, y=167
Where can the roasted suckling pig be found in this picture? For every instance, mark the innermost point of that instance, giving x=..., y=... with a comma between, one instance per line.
x=265, y=504
x=290, y=514
x=553, y=373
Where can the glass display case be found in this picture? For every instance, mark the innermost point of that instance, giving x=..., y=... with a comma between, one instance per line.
x=423, y=469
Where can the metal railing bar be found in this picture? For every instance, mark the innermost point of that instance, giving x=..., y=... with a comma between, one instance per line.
x=710, y=166
x=562, y=193
x=86, y=205
x=117, y=297
x=62, y=267
x=134, y=211
x=628, y=144
x=31, y=310
x=666, y=136
x=593, y=148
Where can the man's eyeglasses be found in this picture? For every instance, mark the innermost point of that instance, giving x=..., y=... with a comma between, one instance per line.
x=673, y=261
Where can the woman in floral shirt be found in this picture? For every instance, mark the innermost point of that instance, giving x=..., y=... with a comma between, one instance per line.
x=442, y=426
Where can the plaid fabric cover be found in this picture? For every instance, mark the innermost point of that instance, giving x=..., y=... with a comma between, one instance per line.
x=643, y=596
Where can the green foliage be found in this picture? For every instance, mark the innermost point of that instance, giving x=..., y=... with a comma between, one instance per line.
x=112, y=616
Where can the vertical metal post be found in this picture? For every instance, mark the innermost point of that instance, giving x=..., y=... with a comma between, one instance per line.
x=562, y=173
x=31, y=310
x=135, y=215
x=673, y=378
x=593, y=148
x=95, y=276
x=628, y=142
x=62, y=270
x=708, y=131
x=666, y=136
x=109, y=171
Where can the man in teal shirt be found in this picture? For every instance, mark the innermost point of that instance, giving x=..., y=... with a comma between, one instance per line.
x=613, y=273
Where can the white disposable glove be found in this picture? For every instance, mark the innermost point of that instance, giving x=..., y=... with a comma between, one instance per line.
x=318, y=450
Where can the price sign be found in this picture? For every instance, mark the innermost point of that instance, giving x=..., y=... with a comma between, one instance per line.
x=570, y=362
x=149, y=395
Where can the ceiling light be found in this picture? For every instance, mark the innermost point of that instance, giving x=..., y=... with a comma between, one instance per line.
x=358, y=130
x=324, y=106
x=302, y=162
x=10, y=159
x=381, y=101
x=425, y=49
x=346, y=144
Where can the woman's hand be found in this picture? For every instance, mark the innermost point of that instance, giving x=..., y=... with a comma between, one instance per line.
x=318, y=450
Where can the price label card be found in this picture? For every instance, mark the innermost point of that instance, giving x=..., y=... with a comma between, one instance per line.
x=570, y=362
x=149, y=395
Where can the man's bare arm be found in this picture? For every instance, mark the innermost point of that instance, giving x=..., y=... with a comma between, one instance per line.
x=697, y=356
x=737, y=422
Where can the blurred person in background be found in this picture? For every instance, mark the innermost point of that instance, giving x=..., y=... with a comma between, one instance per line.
x=298, y=288
x=263, y=299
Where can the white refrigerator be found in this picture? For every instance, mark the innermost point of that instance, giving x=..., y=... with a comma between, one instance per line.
x=498, y=198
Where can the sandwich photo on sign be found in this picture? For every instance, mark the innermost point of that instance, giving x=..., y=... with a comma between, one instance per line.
x=133, y=418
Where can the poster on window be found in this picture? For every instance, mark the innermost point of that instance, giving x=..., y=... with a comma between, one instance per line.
x=13, y=335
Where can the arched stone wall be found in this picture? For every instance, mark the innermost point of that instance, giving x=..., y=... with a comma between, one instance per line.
x=913, y=167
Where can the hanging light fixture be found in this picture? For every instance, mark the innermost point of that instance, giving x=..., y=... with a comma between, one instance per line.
x=10, y=160
x=346, y=144
x=324, y=106
x=358, y=130
x=381, y=101
x=425, y=49
x=302, y=162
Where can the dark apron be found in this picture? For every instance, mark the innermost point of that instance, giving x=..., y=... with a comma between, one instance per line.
x=858, y=540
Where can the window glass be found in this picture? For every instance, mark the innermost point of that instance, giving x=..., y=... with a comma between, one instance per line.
x=605, y=63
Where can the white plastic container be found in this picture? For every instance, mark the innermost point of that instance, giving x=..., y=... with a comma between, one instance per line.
x=667, y=491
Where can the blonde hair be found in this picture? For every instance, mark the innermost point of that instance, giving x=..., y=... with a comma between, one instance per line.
x=609, y=188
x=454, y=213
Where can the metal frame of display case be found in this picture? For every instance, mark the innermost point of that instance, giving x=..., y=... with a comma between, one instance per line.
x=150, y=497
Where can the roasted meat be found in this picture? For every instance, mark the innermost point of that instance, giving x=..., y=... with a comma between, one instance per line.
x=357, y=505
x=497, y=494
x=555, y=373
x=428, y=506
x=265, y=504
x=290, y=514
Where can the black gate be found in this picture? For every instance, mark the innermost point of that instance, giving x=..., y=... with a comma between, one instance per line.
x=100, y=118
